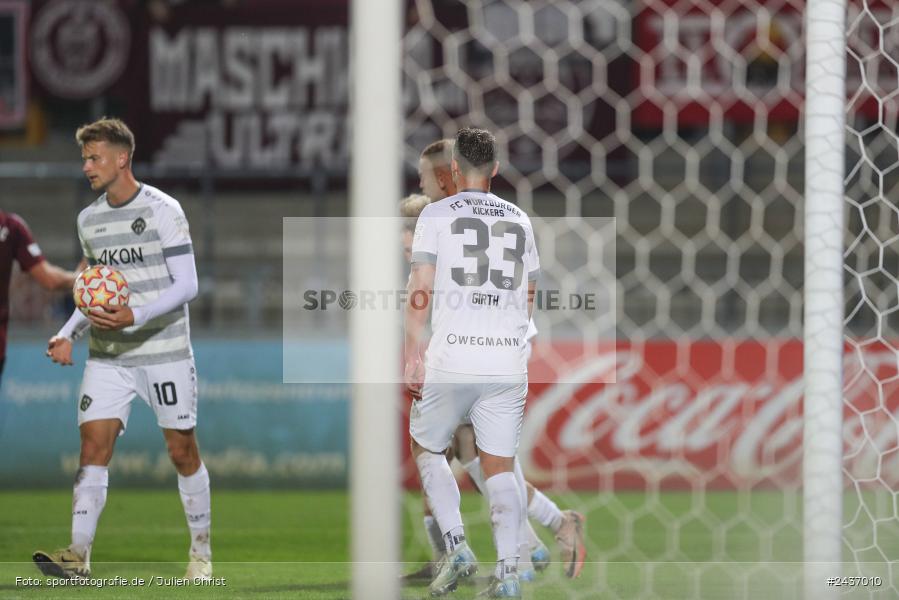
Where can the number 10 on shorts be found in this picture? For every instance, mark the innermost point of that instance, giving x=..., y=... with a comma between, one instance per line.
x=165, y=393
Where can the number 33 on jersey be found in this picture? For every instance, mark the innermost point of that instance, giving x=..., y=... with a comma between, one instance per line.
x=485, y=259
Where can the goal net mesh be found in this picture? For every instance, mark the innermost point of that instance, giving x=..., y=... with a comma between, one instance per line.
x=681, y=119
x=871, y=429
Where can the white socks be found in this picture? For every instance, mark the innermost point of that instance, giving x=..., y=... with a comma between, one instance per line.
x=88, y=500
x=443, y=496
x=196, y=500
x=529, y=535
x=505, y=515
x=545, y=511
x=524, y=527
x=435, y=537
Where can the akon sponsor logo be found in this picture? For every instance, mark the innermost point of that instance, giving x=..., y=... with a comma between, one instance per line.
x=121, y=256
x=481, y=340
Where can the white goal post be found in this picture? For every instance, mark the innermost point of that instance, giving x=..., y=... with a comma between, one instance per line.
x=825, y=107
x=375, y=190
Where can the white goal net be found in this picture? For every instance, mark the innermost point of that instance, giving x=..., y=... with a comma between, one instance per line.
x=682, y=119
x=871, y=250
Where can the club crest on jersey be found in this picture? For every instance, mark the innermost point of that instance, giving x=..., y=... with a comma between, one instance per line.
x=139, y=225
x=85, y=402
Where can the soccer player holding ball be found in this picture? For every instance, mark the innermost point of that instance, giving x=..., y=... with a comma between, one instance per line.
x=141, y=348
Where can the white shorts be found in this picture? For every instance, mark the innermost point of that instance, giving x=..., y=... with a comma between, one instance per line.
x=496, y=409
x=169, y=388
x=466, y=420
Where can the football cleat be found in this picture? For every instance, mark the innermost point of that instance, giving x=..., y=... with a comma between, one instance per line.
x=507, y=587
x=527, y=575
x=199, y=568
x=540, y=556
x=456, y=565
x=570, y=538
x=65, y=563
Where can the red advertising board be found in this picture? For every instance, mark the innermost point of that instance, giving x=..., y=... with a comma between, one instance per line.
x=739, y=60
x=720, y=414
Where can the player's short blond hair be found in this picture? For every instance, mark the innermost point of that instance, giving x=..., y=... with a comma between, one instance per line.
x=439, y=153
x=109, y=130
x=410, y=207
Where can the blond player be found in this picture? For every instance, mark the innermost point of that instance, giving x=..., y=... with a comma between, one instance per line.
x=140, y=350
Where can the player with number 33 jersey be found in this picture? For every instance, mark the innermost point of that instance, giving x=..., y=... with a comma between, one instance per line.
x=474, y=269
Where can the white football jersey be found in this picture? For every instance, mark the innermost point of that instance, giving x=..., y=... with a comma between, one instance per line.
x=485, y=256
x=136, y=238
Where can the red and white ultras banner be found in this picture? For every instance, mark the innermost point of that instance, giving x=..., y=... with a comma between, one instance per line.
x=718, y=414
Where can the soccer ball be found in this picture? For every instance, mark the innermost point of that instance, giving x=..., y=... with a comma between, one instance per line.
x=100, y=286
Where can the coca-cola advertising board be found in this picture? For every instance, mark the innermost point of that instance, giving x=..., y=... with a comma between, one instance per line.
x=719, y=414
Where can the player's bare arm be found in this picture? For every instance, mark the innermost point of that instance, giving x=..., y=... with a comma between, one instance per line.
x=51, y=277
x=418, y=305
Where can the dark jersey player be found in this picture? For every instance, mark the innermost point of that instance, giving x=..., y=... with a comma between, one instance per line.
x=18, y=245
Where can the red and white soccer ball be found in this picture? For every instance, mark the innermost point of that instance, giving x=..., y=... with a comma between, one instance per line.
x=99, y=286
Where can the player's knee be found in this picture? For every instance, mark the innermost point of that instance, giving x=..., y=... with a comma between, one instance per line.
x=418, y=450
x=494, y=465
x=415, y=448
x=95, y=452
x=184, y=456
x=454, y=447
x=450, y=453
x=466, y=451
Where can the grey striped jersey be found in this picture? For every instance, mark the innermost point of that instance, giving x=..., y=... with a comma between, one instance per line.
x=136, y=238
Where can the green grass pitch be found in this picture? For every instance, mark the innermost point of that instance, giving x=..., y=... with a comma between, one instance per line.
x=279, y=544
